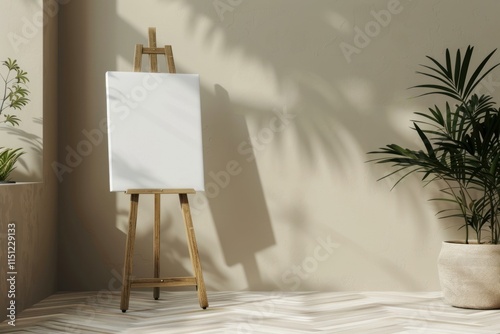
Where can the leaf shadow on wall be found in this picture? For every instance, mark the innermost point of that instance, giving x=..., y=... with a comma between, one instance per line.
x=90, y=242
x=90, y=239
x=342, y=107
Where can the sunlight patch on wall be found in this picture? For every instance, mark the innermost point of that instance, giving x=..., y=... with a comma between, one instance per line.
x=252, y=82
x=338, y=22
x=401, y=120
x=310, y=84
x=359, y=93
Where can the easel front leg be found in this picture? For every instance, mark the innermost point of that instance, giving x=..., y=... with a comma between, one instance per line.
x=193, y=251
x=129, y=252
x=156, y=245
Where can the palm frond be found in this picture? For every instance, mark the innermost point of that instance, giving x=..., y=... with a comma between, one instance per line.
x=462, y=144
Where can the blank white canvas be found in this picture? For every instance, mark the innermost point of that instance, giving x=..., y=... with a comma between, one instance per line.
x=154, y=131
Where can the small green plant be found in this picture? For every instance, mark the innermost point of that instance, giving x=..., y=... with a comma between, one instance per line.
x=8, y=158
x=461, y=146
x=14, y=97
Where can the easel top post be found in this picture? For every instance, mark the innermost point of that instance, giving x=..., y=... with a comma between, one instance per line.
x=152, y=50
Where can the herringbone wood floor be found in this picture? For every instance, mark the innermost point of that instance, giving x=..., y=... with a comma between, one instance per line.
x=252, y=312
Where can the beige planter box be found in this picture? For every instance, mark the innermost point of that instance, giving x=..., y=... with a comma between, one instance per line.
x=470, y=275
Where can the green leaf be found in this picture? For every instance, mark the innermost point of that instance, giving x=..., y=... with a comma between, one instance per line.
x=458, y=69
x=426, y=141
x=12, y=119
x=464, y=69
x=475, y=79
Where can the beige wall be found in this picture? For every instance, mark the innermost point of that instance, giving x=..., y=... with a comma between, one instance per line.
x=304, y=212
x=32, y=207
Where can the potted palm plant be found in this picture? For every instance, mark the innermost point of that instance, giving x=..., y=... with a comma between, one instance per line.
x=460, y=152
x=14, y=97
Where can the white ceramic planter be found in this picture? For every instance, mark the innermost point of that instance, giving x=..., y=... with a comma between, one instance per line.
x=470, y=275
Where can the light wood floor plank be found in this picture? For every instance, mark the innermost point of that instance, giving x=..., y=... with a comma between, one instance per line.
x=253, y=312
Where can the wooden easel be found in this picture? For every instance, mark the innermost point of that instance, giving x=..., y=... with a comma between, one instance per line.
x=156, y=282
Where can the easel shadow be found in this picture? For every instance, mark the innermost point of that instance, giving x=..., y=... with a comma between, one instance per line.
x=233, y=188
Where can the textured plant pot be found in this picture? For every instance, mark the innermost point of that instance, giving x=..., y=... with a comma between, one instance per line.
x=470, y=275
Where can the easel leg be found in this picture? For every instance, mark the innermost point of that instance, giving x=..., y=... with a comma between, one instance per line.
x=193, y=251
x=156, y=245
x=129, y=252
